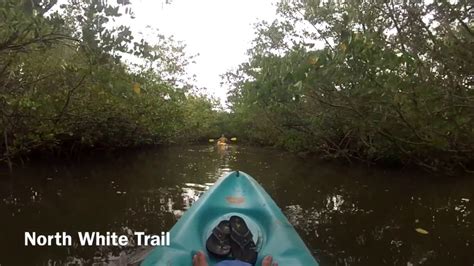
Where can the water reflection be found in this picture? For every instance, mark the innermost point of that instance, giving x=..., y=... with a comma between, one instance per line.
x=334, y=202
x=346, y=216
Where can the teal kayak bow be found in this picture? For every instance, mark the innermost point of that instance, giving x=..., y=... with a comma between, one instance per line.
x=234, y=194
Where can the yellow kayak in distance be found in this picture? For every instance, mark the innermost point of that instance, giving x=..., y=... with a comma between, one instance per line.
x=221, y=144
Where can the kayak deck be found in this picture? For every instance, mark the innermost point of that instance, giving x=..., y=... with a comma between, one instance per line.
x=235, y=194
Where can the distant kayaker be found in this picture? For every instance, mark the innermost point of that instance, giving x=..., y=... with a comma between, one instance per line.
x=200, y=260
x=222, y=139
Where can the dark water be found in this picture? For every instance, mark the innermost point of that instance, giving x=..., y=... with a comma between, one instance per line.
x=345, y=215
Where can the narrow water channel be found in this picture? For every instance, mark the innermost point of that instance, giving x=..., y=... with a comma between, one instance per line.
x=346, y=215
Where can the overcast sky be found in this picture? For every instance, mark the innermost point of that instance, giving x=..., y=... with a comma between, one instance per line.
x=221, y=31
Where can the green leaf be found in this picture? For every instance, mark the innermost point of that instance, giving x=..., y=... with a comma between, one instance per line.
x=421, y=231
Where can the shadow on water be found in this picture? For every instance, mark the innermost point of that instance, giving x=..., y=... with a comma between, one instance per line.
x=346, y=215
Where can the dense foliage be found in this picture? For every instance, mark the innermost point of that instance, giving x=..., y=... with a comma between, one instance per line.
x=375, y=81
x=64, y=82
x=384, y=81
